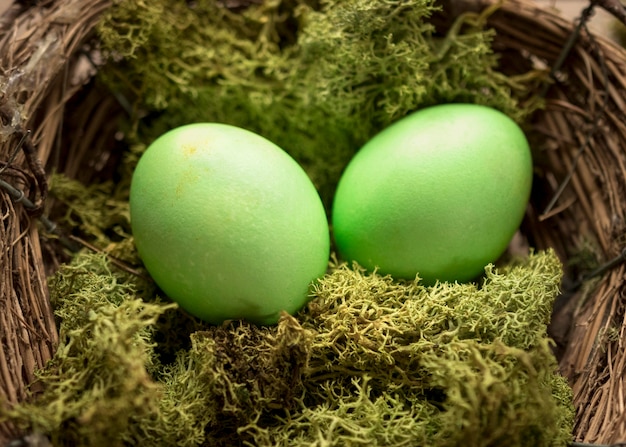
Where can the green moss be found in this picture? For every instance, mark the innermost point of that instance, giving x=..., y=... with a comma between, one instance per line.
x=370, y=361
x=317, y=78
x=478, y=355
x=99, y=211
x=97, y=385
x=226, y=380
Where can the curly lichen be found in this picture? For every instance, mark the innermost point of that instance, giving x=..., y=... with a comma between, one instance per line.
x=370, y=361
x=476, y=356
x=99, y=377
x=317, y=78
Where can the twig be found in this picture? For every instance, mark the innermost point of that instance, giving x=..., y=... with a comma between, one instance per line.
x=567, y=48
x=71, y=242
x=614, y=7
x=115, y=261
x=35, y=166
x=15, y=152
x=582, y=24
x=612, y=263
x=18, y=196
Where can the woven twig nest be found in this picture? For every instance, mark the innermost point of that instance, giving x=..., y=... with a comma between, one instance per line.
x=61, y=121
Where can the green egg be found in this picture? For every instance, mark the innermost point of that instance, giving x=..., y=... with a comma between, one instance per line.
x=438, y=194
x=227, y=223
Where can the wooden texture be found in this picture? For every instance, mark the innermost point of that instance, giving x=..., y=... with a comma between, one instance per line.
x=39, y=48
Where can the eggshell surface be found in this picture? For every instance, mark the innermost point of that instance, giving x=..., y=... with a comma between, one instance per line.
x=227, y=223
x=438, y=194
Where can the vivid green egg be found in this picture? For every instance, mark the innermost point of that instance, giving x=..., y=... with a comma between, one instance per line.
x=439, y=193
x=227, y=223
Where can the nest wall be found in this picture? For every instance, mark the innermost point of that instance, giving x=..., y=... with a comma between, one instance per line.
x=61, y=119
x=39, y=47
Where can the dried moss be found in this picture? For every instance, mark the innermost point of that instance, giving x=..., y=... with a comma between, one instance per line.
x=98, y=379
x=230, y=377
x=317, y=78
x=370, y=361
x=99, y=211
x=477, y=358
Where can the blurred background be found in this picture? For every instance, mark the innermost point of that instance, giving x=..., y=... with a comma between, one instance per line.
x=602, y=23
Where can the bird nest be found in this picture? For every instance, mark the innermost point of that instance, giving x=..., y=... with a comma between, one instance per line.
x=59, y=117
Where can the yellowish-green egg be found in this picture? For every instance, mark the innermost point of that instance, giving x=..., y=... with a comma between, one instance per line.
x=227, y=223
x=438, y=194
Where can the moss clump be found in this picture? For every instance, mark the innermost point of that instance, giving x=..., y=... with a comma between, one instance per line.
x=317, y=78
x=370, y=361
x=98, y=383
x=471, y=360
